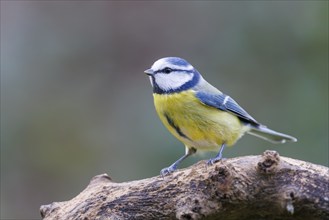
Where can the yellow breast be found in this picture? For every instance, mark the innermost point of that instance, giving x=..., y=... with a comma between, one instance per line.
x=195, y=124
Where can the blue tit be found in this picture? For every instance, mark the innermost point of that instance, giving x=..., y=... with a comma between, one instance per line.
x=198, y=114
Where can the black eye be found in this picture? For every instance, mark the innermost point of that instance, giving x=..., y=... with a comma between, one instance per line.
x=167, y=70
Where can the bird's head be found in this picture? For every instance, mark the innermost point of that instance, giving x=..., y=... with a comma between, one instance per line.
x=172, y=75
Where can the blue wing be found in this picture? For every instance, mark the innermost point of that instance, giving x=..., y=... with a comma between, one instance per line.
x=225, y=103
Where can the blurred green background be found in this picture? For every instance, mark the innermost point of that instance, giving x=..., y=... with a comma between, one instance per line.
x=75, y=101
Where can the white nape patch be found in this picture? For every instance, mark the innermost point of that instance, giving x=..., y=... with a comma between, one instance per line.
x=173, y=80
x=163, y=63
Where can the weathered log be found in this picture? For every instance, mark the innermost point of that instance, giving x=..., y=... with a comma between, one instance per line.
x=250, y=187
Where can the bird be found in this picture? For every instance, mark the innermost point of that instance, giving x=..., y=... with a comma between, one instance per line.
x=198, y=114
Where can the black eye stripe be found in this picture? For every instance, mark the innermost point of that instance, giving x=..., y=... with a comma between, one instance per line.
x=173, y=70
x=167, y=70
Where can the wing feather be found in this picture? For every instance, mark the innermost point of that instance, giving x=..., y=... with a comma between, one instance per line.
x=225, y=103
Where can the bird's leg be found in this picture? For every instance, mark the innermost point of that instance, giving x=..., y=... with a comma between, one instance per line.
x=218, y=156
x=173, y=167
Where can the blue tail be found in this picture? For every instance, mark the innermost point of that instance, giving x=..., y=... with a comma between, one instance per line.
x=265, y=133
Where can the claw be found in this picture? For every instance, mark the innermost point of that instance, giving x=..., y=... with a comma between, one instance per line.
x=212, y=161
x=166, y=171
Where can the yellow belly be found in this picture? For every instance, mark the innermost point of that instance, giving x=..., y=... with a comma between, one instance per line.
x=195, y=124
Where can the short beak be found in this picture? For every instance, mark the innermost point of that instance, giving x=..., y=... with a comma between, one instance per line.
x=149, y=72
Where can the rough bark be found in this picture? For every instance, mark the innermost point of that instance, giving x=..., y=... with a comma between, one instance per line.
x=251, y=187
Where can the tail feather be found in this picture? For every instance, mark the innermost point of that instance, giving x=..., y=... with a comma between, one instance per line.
x=265, y=133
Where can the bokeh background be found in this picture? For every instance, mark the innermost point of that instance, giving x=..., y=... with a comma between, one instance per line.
x=75, y=101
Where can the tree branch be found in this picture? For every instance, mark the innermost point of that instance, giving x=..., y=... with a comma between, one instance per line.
x=250, y=187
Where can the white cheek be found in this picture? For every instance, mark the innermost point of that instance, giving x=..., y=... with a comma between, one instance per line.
x=172, y=81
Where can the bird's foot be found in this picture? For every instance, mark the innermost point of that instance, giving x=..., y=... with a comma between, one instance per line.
x=168, y=170
x=218, y=156
x=212, y=161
